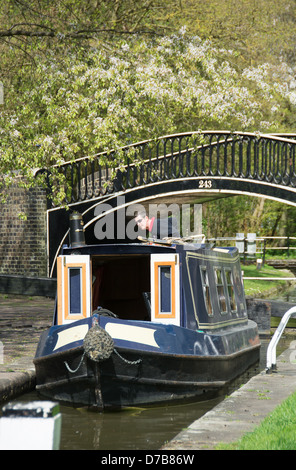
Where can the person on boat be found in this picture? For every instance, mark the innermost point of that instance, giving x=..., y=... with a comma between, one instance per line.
x=157, y=228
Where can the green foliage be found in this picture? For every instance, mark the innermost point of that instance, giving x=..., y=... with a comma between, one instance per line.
x=257, y=287
x=86, y=76
x=101, y=99
x=258, y=31
x=264, y=217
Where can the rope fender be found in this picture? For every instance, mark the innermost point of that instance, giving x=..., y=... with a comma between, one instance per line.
x=98, y=344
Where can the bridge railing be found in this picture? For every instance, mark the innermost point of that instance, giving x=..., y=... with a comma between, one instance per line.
x=267, y=158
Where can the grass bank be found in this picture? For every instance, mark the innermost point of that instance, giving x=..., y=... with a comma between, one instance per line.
x=276, y=432
x=261, y=288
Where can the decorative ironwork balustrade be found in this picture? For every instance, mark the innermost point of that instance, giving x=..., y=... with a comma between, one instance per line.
x=211, y=154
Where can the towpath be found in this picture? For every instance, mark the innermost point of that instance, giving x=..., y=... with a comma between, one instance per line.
x=22, y=320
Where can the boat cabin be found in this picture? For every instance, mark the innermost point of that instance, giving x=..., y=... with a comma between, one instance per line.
x=187, y=285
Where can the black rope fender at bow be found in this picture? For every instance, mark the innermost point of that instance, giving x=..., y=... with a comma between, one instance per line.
x=98, y=346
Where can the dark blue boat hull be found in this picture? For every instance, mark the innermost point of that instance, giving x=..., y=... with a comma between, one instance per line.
x=181, y=365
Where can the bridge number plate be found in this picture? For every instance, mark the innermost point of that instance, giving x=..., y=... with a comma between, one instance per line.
x=205, y=184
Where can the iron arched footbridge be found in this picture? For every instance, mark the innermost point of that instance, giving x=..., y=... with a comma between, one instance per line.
x=195, y=166
x=220, y=161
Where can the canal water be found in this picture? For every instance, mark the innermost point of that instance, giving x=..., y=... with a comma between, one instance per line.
x=137, y=428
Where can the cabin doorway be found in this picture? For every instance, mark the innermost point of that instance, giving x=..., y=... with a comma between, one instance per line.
x=121, y=284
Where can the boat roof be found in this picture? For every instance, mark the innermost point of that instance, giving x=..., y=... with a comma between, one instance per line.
x=120, y=248
x=144, y=249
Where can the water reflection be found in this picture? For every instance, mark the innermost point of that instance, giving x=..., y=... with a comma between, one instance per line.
x=133, y=429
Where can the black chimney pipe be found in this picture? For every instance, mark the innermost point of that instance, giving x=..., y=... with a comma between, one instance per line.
x=76, y=230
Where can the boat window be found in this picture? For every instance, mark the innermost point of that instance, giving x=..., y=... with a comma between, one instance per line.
x=75, y=306
x=165, y=294
x=73, y=288
x=206, y=289
x=220, y=290
x=165, y=289
x=230, y=289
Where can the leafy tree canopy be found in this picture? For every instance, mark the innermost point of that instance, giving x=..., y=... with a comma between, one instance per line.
x=101, y=98
x=89, y=75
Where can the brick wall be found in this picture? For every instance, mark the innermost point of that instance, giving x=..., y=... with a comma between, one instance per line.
x=23, y=242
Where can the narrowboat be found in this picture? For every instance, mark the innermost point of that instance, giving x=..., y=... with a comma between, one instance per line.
x=145, y=323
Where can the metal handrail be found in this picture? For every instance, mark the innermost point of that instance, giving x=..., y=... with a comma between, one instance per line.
x=201, y=154
x=271, y=350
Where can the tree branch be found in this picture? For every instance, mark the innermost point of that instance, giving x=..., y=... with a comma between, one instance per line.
x=80, y=34
x=23, y=32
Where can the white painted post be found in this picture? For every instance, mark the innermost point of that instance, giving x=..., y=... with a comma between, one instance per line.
x=240, y=242
x=30, y=426
x=251, y=246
